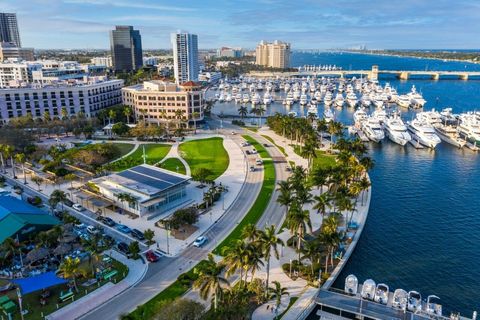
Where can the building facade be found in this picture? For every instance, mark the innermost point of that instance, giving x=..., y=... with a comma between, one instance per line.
x=185, y=57
x=274, y=55
x=158, y=101
x=88, y=96
x=102, y=61
x=10, y=51
x=230, y=52
x=126, y=47
x=12, y=73
x=9, y=29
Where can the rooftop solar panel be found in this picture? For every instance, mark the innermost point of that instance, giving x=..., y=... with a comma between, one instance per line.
x=159, y=184
x=158, y=174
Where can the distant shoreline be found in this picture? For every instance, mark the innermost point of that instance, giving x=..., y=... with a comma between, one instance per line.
x=410, y=56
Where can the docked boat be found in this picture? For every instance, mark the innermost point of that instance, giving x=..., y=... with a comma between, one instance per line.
x=433, y=306
x=447, y=117
x=339, y=101
x=373, y=129
x=368, y=289
x=245, y=98
x=352, y=99
x=381, y=293
x=351, y=285
x=403, y=101
x=396, y=130
x=228, y=98
x=303, y=99
x=255, y=99
x=469, y=129
x=365, y=101
x=312, y=110
x=400, y=299
x=380, y=114
x=296, y=94
x=432, y=117
x=359, y=116
x=414, y=302
x=328, y=115
x=267, y=98
x=416, y=99
x=328, y=99
x=423, y=133
x=238, y=98
x=449, y=134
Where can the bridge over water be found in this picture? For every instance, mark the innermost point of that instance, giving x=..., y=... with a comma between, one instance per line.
x=373, y=74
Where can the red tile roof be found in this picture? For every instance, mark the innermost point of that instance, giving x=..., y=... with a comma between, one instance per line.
x=189, y=84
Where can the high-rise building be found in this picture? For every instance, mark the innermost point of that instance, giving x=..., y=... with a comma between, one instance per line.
x=185, y=56
x=126, y=46
x=9, y=50
x=230, y=52
x=274, y=55
x=9, y=29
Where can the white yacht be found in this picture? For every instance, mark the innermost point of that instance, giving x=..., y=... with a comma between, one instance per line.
x=221, y=98
x=267, y=97
x=381, y=293
x=229, y=97
x=469, y=129
x=255, y=99
x=303, y=99
x=416, y=99
x=449, y=134
x=414, y=302
x=339, y=101
x=238, y=98
x=432, y=117
x=245, y=98
x=312, y=110
x=365, y=101
x=351, y=285
x=289, y=98
x=396, y=130
x=423, y=133
x=373, y=129
x=352, y=99
x=433, y=306
x=368, y=289
x=380, y=114
x=318, y=95
x=296, y=94
x=447, y=117
x=403, y=101
x=327, y=100
x=328, y=115
x=378, y=101
x=400, y=299
x=359, y=116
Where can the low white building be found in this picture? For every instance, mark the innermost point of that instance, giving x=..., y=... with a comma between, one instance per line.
x=210, y=77
x=102, y=61
x=89, y=96
x=152, y=190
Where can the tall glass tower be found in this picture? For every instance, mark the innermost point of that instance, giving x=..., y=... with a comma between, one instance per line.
x=185, y=56
x=126, y=47
x=9, y=29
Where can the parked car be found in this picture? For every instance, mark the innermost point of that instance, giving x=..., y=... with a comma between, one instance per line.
x=137, y=234
x=254, y=151
x=248, y=152
x=200, y=241
x=234, y=133
x=245, y=144
x=107, y=220
x=68, y=203
x=288, y=169
x=266, y=145
x=123, y=228
x=252, y=168
x=78, y=207
x=259, y=162
x=92, y=230
x=80, y=225
x=151, y=256
x=123, y=248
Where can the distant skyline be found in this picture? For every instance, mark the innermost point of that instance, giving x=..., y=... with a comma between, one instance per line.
x=306, y=24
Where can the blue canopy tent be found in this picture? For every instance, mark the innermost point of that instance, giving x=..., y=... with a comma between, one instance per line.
x=35, y=283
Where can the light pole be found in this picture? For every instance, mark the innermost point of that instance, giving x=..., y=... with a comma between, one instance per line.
x=290, y=268
x=19, y=295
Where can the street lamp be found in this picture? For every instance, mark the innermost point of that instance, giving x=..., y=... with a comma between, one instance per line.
x=19, y=295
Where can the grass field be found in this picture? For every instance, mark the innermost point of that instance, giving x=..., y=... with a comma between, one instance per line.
x=172, y=164
x=282, y=149
x=124, y=148
x=207, y=153
x=322, y=160
x=154, y=152
x=262, y=152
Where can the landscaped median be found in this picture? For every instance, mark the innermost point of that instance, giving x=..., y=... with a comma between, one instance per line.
x=185, y=280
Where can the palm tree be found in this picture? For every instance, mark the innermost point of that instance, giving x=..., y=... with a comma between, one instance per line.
x=111, y=115
x=2, y=160
x=334, y=128
x=195, y=116
x=37, y=180
x=298, y=221
x=268, y=241
x=9, y=246
x=210, y=280
x=64, y=113
x=70, y=269
x=127, y=112
x=46, y=116
x=322, y=202
x=179, y=115
x=322, y=127
x=234, y=258
x=250, y=233
x=309, y=151
x=8, y=152
x=311, y=251
x=56, y=197
x=20, y=157
x=364, y=185
x=253, y=260
x=278, y=292
x=94, y=250
x=70, y=177
x=242, y=111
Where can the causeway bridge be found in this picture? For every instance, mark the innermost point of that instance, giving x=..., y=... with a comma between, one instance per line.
x=372, y=74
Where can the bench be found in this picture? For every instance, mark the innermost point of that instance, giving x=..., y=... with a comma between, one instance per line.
x=65, y=296
x=109, y=275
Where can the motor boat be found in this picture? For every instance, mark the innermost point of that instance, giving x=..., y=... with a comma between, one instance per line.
x=312, y=110
x=396, y=130
x=328, y=99
x=373, y=129
x=449, y=134
x=380, y=114
x=255, y=99
x=267, y=98
x=339, y=101
x=381, y=293
x=368, y=289
x=403, y=101
x=238, y=98
x=378, y=101
x=416, y=99
x=400, y=299
x=359, y=116
x=289, y=98
x=221, y=98
x=414, y=302
x=296, y=94
x=328, y=115
x=433, y=306
x=303, y=99
x=245, y=98
x=469, y=129
x=365, y=101
x=351, y=285
x=423, y=133
x=432, y=117
x=447, y=117
x=352, y=99
x=228, y=98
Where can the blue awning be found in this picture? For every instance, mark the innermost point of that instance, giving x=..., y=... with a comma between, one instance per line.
x=35, y=283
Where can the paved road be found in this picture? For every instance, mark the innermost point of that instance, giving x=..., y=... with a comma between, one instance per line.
x=161, y=274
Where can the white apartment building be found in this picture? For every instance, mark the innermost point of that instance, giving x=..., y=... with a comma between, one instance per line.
x=14, y=72
x=185, y=57
x=102, y=61
x=210, y=77
x=157, y=101
x=89, y=96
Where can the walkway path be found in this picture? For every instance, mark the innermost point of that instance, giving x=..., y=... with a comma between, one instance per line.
x=173, y=153
x=137, y=270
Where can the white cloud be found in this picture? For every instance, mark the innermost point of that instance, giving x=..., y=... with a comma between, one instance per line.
x=125, y=4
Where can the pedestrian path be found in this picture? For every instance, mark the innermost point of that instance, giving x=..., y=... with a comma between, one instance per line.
x=173, y=153
x=77, y=309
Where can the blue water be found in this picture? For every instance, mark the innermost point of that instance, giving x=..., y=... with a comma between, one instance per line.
x=423, y=228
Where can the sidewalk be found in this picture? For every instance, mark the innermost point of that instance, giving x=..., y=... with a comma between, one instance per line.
x=75, y=310
x=173, y=153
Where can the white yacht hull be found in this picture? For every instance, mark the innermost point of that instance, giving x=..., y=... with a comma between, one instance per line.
x=457, y=142
x=429, y=143
x=398, y=138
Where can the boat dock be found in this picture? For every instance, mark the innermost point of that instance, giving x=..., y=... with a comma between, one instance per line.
x=336, y=305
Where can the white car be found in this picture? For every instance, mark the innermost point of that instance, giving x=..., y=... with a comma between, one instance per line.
x=200, y=241
x=259, y=162
x=92, y=230
x=245, y=144
x=78, y=207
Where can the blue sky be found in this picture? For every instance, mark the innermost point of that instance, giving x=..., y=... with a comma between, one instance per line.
x=307, y=24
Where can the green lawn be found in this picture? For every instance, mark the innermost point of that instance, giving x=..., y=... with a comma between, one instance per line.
x=172, y=164
x=154, y=152
x=258, y=146
x=322, y=160
x=256, y=211
x=290, y=303
x=282, y=149
x=124, y=148
x=207, y=153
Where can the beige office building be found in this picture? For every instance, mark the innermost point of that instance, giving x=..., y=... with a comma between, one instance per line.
x=157, y=101
x=274, y=55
